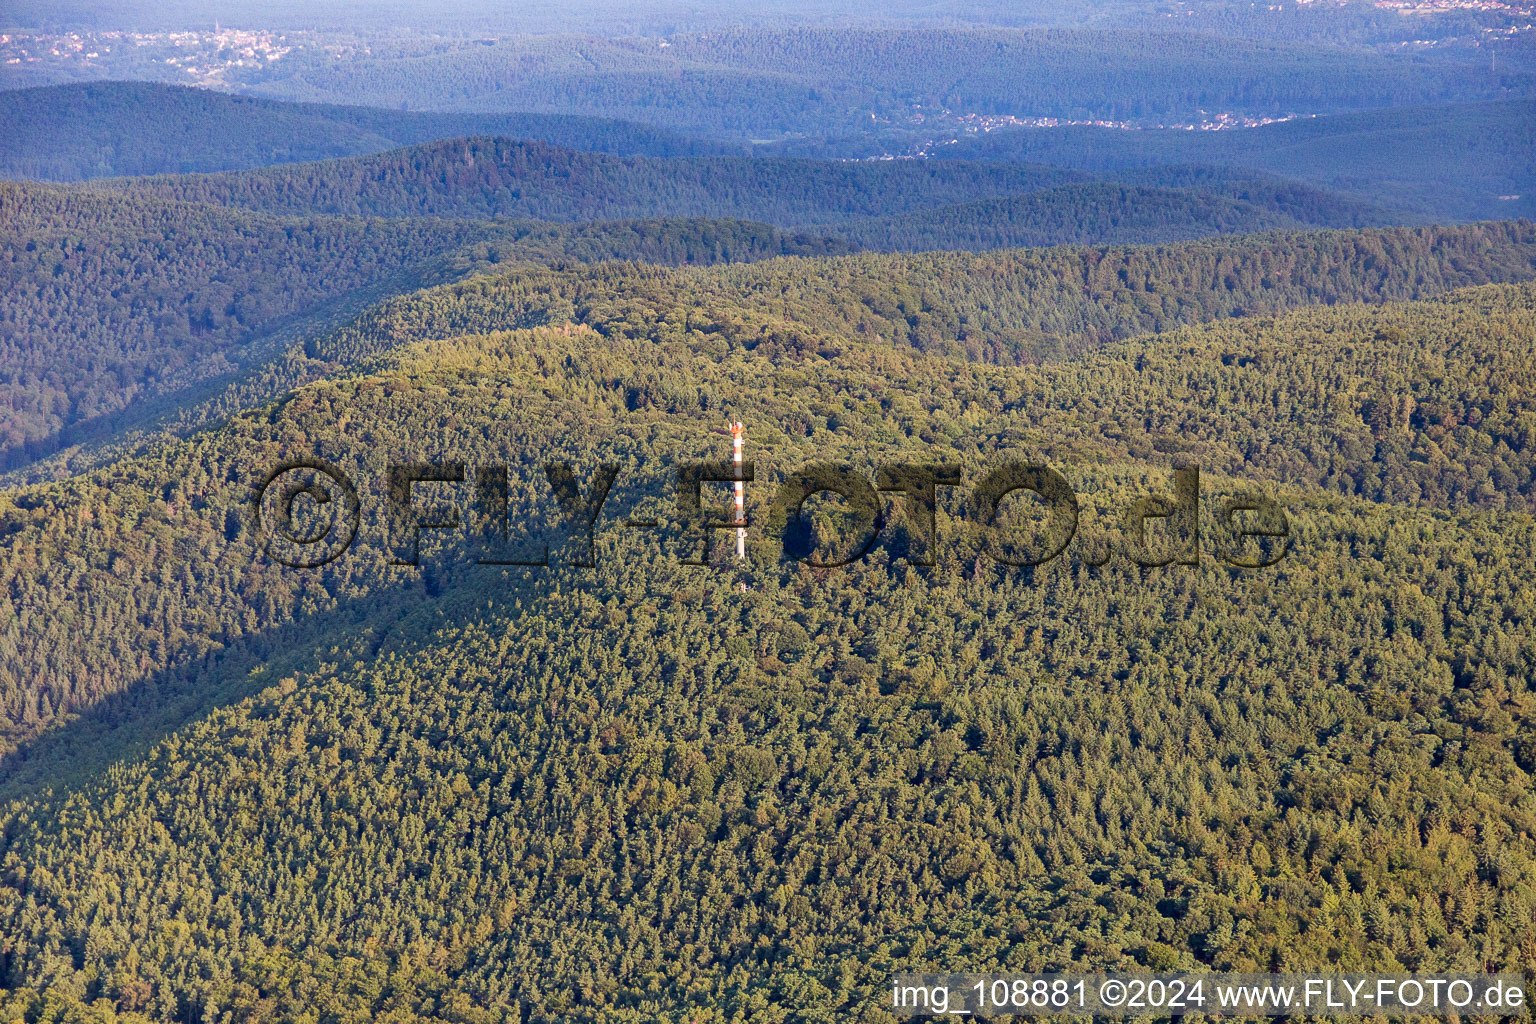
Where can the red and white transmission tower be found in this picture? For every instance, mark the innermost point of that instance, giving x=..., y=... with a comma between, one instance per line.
x=741, y=495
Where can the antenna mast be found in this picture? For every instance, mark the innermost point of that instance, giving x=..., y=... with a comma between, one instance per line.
x=741, y=496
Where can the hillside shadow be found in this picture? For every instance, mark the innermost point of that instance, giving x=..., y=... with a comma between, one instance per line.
x=76, y=753
x=196, y=402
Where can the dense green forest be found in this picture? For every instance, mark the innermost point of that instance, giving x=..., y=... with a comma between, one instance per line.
x=115, y=299
x=118, y=297
x=645, y=792
x=1018, y=306
x=186, y=362
x=1288, y=197
x=1011, y=308
x=1449, y=162
x=114, y=129
x=1096, y=212
x=110, y=301
x=107, y=301
x=500, y=177
x=554, y=753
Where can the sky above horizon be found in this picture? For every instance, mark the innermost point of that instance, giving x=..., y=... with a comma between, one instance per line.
x=599, y=16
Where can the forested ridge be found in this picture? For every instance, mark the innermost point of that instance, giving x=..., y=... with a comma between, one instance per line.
x=1464, y=160
x=106, y=302
x=1006, y=307
x=753, y=83
x=111, y=302
x=641, y=792
x=120, y=303
x=1288, y=197
x=1017, y=306
x=555, y=754
x=502, y=177
x=116, y=129
x=1383, y=436
x=1097, y=212
x=1447, y=161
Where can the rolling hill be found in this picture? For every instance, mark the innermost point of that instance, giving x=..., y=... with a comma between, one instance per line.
x=768, y=83
x=120, y=129
x=1462, y=161
x=1445, y=162
x=116, y=308
x=1036, y=204
x=1098, y=213
x=165, y=304
x=500, y=177
x=470, y=793
x=1018, y=307
x=1136, y=570
x=163, y=286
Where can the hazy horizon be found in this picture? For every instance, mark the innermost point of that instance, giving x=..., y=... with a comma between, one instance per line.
x=607, y=17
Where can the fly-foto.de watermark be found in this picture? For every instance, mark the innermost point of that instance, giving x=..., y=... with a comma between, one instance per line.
x=1318, y=994
x=308, y=512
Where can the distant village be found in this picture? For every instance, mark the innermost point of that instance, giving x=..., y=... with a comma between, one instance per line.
x=973, y=124
x=196, y=58
x=1524, y=9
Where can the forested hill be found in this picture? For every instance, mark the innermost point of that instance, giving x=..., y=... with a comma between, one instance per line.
x=274, y=750
x=1450, y=162
x=1034, y=204
x=763, y=83
x=118, y=129
x=1010, y=306
x=473, y=794
x=109, y=302
x=1099, y=213
x=237, y=289
x=95, y=327
x=1291, y=197
x=498, y=177
x=1462, y=161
